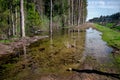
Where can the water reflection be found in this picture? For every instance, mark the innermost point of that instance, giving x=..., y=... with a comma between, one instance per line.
x=96, y=47
x=61, y=51
x=51, y=55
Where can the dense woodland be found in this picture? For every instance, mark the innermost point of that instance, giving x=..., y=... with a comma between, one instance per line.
x=111, y=21
x=20, y=18
x=109, y=18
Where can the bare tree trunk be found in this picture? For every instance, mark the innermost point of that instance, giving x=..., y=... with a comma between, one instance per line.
x=72, y=12
x=75, y=12
x=16, y=21
x=69, y=13
x=13, y=25
x=51, y=17
x=22, y=24
x=79, y=11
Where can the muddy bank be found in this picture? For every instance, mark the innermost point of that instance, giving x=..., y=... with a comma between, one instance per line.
x=17, y=43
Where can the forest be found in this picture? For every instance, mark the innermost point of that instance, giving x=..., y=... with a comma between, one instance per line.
x=111, y=21
x=25, y=17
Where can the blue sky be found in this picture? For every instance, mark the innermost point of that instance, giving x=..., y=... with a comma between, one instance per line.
x=97, y=8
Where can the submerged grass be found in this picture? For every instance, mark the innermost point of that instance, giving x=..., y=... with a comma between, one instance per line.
x=46, y=56
x=58, y=54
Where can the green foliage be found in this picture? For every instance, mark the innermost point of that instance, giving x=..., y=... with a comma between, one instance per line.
x=37, y=15
x=117, y=28
x=109, y=25
x=32, y=16
x=44, y=23
x=110, y=18
x=33, y=20
x=112, y=26
x=4, y=13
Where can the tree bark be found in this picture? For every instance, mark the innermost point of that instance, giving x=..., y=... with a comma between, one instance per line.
x=13, y=25
x=69, y=13
x=72, y=12
x=16, y=21
x=22, y=24
x=79, y=10
x=51, y=16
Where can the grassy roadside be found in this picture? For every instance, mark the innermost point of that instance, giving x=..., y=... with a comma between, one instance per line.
x=112, y=37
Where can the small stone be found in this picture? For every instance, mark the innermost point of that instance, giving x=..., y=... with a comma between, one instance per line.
x=70, y=69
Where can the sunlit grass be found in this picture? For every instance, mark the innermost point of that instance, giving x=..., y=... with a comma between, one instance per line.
x=112, y=37
x=109, y=24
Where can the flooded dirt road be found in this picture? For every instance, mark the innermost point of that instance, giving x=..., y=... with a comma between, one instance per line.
x=97, y=56
x=49, y=59
x=96, y=47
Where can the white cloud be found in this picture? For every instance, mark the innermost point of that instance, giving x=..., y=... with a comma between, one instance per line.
x=97, y=8
x=96, y=3
x=104, y=4
x=109, y=7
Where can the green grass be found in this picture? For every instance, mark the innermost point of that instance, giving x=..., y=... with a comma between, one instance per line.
x=112, y=26
x=109, y=24
x=5, y=41
x=112, y=37
x=117, y=28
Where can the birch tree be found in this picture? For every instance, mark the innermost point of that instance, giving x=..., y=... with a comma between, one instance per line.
x=22, y=23
x=72, y=11
x=51, y=16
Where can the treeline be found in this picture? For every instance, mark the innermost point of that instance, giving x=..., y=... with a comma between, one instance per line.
x=39, y=15
x=114, y=18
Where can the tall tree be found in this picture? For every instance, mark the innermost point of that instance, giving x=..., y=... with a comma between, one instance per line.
x=79, y=11
x=51, y=7
x=69, y=13
x=72, y=2
x=22, y=19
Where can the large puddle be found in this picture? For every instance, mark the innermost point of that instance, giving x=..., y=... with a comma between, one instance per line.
x=48, y=56
x=55, y=55
x=96, y=47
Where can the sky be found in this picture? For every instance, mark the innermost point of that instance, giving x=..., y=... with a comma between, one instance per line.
x=97, y=8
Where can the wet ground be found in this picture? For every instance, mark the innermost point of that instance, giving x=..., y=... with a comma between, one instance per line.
x=95, y=47
x=49, y=59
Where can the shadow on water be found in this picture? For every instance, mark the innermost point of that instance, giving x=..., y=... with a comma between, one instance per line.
x=88, y=71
